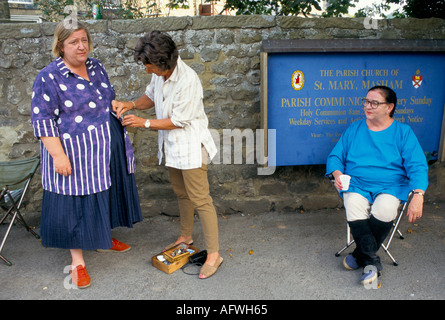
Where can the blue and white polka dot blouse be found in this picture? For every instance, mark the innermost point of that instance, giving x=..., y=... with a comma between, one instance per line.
x=77, y=111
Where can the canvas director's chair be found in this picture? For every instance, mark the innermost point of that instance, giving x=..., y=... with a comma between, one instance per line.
x=15, y=177
x=402, y=209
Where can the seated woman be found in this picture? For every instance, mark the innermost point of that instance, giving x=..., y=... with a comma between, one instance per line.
x=385, y=162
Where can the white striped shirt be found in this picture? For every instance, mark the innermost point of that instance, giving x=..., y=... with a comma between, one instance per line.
x=181, y=99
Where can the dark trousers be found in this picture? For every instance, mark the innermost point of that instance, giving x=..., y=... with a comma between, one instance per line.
x=369, y=235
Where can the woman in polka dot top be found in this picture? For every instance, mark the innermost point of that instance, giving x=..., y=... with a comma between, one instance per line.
x=86, y=155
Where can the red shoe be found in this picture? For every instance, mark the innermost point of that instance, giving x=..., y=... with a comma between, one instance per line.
x=80, y=277
x=116, y=247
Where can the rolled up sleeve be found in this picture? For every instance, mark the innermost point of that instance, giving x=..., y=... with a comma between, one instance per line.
x=44, y=107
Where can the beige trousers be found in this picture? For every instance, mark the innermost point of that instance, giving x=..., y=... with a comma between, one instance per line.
x=192, y=190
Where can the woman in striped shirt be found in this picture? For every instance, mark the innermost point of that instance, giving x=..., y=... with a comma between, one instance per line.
x=87, y=161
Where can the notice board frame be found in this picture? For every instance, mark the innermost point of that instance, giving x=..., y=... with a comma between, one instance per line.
x=342, y=46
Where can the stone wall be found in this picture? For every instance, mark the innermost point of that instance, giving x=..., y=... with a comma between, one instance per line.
x=225, y=52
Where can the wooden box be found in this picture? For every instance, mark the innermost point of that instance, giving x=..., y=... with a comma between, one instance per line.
x=171, y=266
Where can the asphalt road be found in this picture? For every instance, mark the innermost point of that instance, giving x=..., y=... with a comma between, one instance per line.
x=267, y=257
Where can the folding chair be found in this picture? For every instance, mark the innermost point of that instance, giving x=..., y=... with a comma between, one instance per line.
x=395, y=229
x=15, y=177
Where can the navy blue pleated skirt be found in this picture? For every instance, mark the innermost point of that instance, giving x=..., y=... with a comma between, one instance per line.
x=85, y=222
x=124, y=199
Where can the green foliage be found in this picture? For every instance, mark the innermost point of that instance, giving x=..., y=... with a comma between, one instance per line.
x=129, y=9
x=335, y=8
x=178, y=4
x=53, y=9
x=376, y=10
x=338, y=8
x=409, y=8
x=272, y=7
x=424, y=8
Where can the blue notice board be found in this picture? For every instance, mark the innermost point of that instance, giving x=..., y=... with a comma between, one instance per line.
x=312, y=97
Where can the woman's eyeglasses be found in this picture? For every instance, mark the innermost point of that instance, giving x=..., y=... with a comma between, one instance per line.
x=372, y=104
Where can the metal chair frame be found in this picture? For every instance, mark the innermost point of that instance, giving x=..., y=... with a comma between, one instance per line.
x=395, y=228
x=12, y=208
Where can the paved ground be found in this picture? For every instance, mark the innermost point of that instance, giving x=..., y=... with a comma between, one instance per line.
x=267, y=256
